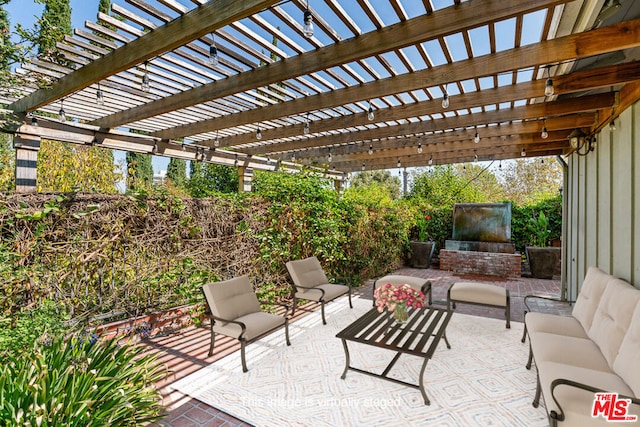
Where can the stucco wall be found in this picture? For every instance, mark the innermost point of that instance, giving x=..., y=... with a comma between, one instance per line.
x=603, y=213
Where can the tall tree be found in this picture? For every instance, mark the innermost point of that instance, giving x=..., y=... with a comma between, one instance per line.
x=53, y=25
x=528, y=181
x=381, y=177
x=177, y=172
x=444, y=186
x=139, y=171
x=208, y=179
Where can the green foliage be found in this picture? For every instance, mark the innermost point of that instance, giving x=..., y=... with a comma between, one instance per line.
x=177, y=172
x=7, y=164
x=139, y=171
x=539, y=228
x=80, y=382
x=380, y=180
x=50, y=28
x=521, y=221
x=530, y=181
x=444, y=186
x=20, y=331
x=78, y=168
x=208, y=179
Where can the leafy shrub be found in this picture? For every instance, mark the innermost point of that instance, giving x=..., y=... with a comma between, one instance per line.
x=80, y=382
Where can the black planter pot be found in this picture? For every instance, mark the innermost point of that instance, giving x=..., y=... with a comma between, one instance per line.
x=543, y=261
x=421, y=254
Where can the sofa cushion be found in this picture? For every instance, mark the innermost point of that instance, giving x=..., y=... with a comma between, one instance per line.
x=567, y=326
x=626, y=364
x=593, y=286
x=307, y=272
x=233, y=298
x=330, y=292
x=577, y=404
x=613, y=317
x=256, y=323
x=579, y=352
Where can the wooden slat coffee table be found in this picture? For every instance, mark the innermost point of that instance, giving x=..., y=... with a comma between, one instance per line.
x=418, y=336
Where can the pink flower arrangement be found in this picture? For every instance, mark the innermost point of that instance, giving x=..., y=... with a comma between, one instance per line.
x=390, y=296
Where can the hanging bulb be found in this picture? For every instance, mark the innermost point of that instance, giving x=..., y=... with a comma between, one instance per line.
x=399, y=164
x=544, y=134
x=268, y=159
x=216, y=142
x=99, y=96
x=523, y=152
x=464, y=167
x=476, y=138
x=154, y=150
x=419, y=147
x=307, y=28
x=370, y=114
x=330, y=157
x=363, y=166
x=370, y=149
x=612, y=125
x=548, y=86
x=542, y=161
x=214, y=59
x=62, y=115
x=34, y=121
x=307, y=128
x=430, y=160
x=475, y=157
x=184, y=147
x=293, y=157
x=258, y=133
x=146, y=84
x=445, y=100
x=235, y=162
x=500, y=165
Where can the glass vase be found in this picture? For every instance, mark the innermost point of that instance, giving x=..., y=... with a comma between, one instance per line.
x=400, y=313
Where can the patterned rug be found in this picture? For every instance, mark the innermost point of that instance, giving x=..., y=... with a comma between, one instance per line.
x=480, y=381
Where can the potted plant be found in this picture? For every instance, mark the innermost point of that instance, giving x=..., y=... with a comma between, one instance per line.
x=542, y=258
x=422, y=249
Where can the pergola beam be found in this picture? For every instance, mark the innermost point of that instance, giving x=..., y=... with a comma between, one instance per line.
x=602, y=40
x=444, y=22
x=180, y=31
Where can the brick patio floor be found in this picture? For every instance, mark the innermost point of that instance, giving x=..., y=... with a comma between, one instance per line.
x=185, y=352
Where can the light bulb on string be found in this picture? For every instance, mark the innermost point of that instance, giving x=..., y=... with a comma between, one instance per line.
x=62, y=115
x=476, y=138
x=445, y=99
x=307, y=28
x=419, y=147
x=475, y=157
x=307, y=126
x=216, y=142
x=146, y=81
x=214, y=59
x=330, y=157
x=523, y=152
x=370, y=149
x=399, y=164
x=548, y=86
x=430, y=160
x=363, y=166
x=370, y=114
x=293, y=157
x=258, y=133
x=545, y=133
x=99, y=96
x=612, y=125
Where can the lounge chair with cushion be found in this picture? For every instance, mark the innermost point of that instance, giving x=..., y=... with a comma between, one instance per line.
x=310, y=283
x=234, y=311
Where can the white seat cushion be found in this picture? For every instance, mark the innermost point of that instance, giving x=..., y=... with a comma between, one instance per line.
x=480, y=293
x=257, y=324
x=330, y=292
x=567, y=326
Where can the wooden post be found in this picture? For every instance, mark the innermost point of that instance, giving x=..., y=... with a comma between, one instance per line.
x=27, y=148
x=337, y=184
x=245, y=177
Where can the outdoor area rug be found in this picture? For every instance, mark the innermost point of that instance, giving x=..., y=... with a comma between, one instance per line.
x=480, y=381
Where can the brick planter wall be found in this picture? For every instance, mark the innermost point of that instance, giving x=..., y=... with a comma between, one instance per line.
x=488, y=263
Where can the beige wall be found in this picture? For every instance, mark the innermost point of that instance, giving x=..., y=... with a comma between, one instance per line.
x=603, y=212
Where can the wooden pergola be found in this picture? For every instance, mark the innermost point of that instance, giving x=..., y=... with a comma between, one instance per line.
x=364, y=92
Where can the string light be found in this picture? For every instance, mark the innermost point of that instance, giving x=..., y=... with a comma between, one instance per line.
x=216, y=142
x=500, y=165
x=544, y=134
x=62, y=115
x=612, y=125
x=99, y=96
x=399, y=164
x=214, y=59
x=445, y=98
x=476, y=138
x=307, y=28
x=258, y=133
x=330, y=157
x=370, y=113
x=370, y=149
x=548, y=86
x=235, y=163
x=475, y=157
x=154, y=150
x=363, y=166
x=307, y=126
x=419, y=147
x=146, y=81
x=523, y=152
x=293, y=157
x=430, y=160
x=184, y=147
x=34, y=120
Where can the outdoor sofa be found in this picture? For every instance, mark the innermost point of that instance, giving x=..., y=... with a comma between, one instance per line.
x=595, y=350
